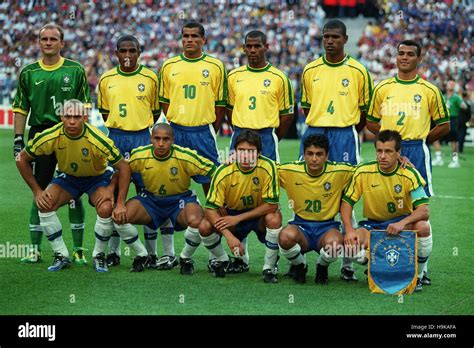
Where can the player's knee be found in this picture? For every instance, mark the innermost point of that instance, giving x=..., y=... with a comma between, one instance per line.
x=287, y=238
x=273, y=220
x=104, y=210
x=205, y=228
x=334, y=240
x=423, y=228
x=194, y=220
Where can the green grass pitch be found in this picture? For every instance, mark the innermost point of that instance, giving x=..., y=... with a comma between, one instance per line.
x=31, y=290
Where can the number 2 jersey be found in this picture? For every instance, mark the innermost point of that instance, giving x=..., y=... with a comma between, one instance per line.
x=43, y=89
x=86, y=155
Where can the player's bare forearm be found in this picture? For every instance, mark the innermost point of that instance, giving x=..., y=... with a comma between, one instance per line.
x=363, y=118
x=19, y=123
x=285, y=123
x=124, y=173
x=24, y=167
x=438, y=132
x=421, y=213
x=229, y=117
x=220, y=114
x=261, y=210
x=374, y=127
x=346, y=216
x=164, y=107
x=212, y=216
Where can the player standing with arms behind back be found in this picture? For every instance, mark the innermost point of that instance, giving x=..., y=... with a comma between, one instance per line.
x=128, y=102
x=193, y=97
x=43, y=87
x=335, y=93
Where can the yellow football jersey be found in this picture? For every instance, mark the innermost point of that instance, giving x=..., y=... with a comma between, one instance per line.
x=130, y=99
x=386, y=195
x=244, y=190
x=315, y=198
x=258, y=97
x=171, y=175
x=86, y=155
x=407, y=107
x=335, y=93
x=193, y=88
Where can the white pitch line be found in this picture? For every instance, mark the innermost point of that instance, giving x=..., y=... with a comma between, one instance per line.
x=452, y=197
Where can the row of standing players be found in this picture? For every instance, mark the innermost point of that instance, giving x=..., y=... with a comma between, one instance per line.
x=195, y=94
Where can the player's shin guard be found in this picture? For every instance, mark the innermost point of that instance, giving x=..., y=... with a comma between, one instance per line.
x=271, y=250
x=150, y=240
x=114, y=242
x=326, y=257
x=53, y=230
x=425, y=266
x=76, y=218
x=129, y=234
x=245, y=257
x=359, y=257
x=425, y=245
x=36, y=231
x=103, y=229
x=167, y=238
x=192, y=240
x=294, y=254
x=214, y=245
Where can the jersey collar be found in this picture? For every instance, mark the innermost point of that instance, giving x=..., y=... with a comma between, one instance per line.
x=346, y=57
x=265, y=68
x=390, y=173
x=407, y=82
x=192, y=60
x=164, y=158
x=315, y=176
x=51, y=67
x=136, y=71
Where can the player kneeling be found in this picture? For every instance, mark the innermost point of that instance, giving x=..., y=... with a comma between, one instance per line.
x=314, y=186
x=166, y=170
x=82, y=152
x=243, y=198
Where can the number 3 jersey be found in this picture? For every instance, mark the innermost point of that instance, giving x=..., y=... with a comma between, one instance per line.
x=315, y=198
x=233, y=188
x=42, y=90
x=386, y=195
x=85, y=155
x=170, y=175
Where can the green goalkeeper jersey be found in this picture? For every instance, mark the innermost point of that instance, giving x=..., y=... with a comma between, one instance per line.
x=43, y=89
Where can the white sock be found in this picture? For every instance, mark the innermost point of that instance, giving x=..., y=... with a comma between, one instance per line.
x=455, y=157
x=103, y=229
x=192, y=240
x=129, y=234
x=425, y=246
x=167, y=239
x=150, y=240
x=246, y=257
x=346, y=261
x=271, y=250
x=114, y=243
x=294, y=255
x=438, y=154
x=214, y=245
x=53, y=230
x=325, y=258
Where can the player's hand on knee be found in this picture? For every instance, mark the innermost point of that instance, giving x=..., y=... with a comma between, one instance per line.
x=119, y=214
x=395, y=228
x=104, y=196
x=18, y=145
x=44, y=200
x=226, y=222
x=351, y=238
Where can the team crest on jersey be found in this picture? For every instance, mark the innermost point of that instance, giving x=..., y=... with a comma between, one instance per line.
x=66, y=79
x=174, y=170
x=392, y=255
x=205, y=73
x=398, y=188
x=417, y=98
x=255, y=180
x=267, y=82
x=85, y=152
x=345, y=82
x=327, y=186
x=141, y=87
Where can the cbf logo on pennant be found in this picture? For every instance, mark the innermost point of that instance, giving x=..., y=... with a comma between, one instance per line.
x=392, y=267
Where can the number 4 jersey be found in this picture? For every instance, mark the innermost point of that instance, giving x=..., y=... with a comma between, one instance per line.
x=43, y=89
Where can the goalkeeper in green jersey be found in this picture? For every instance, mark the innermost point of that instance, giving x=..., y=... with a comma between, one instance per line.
x=43, y=87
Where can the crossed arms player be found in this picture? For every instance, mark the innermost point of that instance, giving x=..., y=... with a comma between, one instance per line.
x=83, y=153
x=394, y=200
